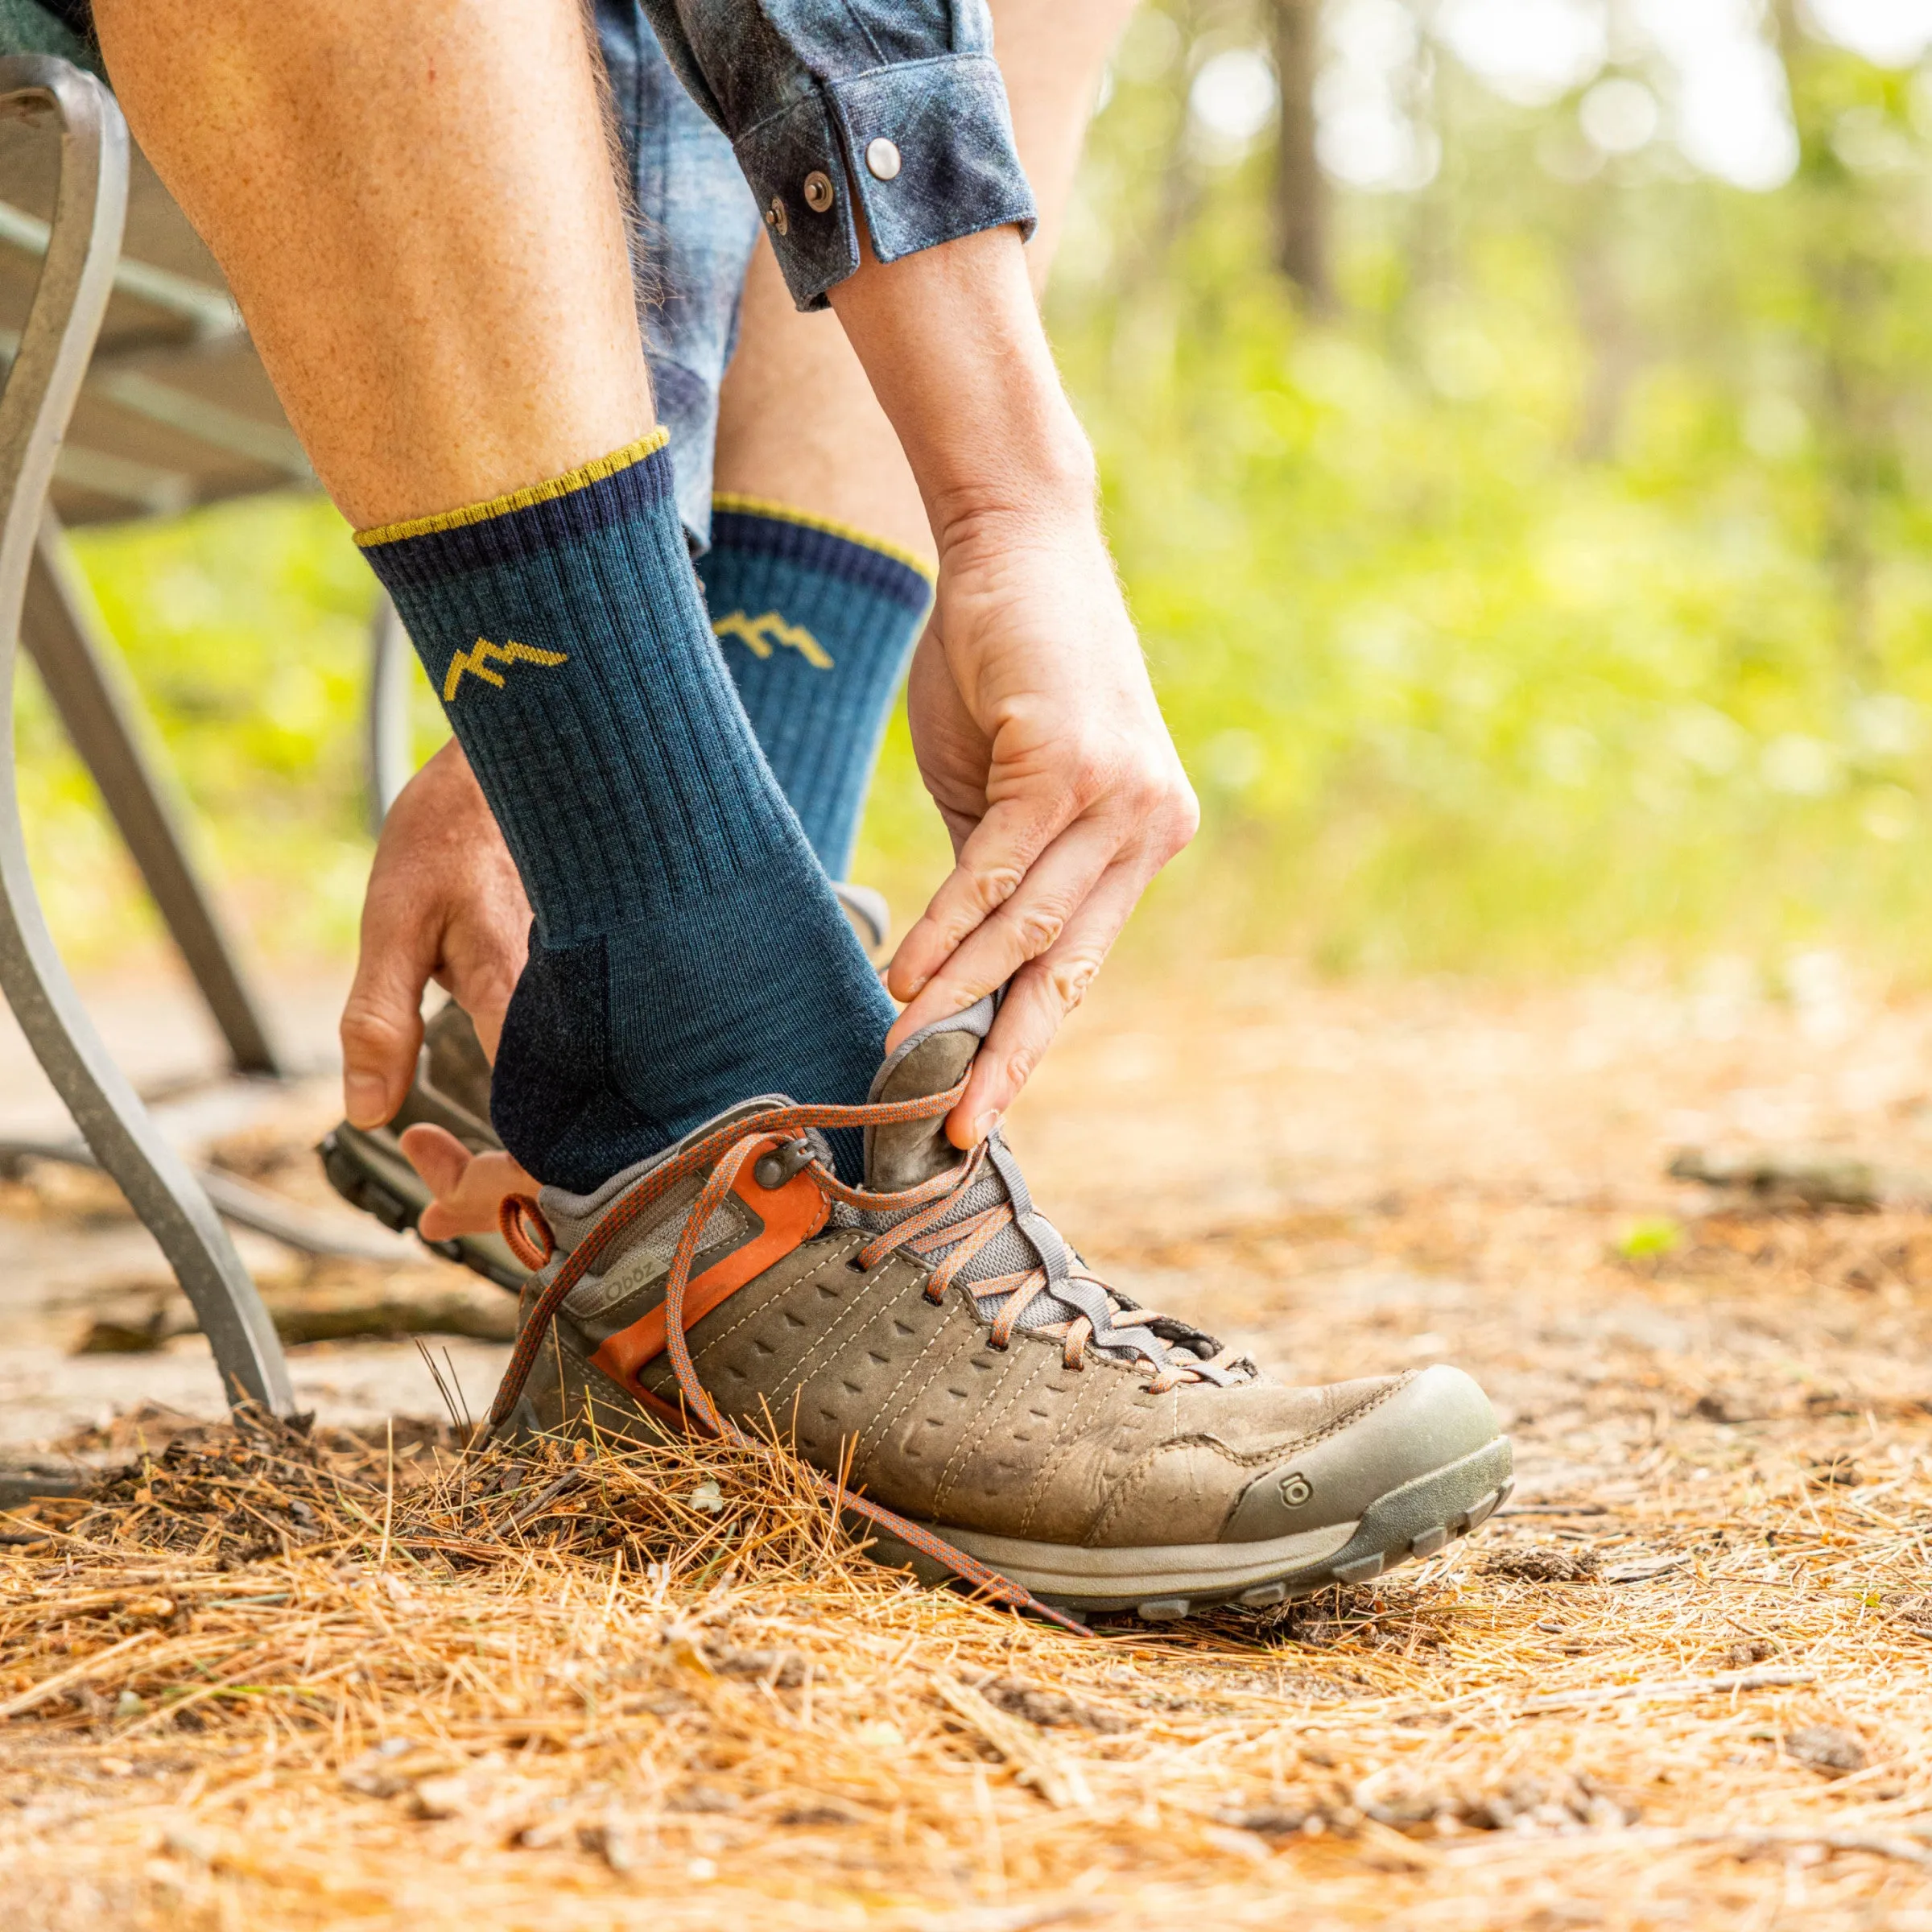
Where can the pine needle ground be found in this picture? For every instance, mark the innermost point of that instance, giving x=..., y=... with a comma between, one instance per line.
x=271, y=1678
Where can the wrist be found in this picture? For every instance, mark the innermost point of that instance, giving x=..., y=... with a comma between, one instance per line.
x=952, y=342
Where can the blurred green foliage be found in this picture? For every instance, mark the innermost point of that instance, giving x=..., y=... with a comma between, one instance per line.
x=246, y=629
x=1568, y=589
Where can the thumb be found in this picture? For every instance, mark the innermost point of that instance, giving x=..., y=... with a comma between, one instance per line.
x=469, y=1188
x=438, y=1156
x=382, y=1029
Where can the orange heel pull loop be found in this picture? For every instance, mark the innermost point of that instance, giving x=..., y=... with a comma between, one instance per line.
x=525, y=1231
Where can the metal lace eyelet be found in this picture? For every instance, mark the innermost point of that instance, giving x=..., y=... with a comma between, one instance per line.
x=771, y=1171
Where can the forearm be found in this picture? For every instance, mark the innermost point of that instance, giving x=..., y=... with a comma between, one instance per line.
x=952, y=341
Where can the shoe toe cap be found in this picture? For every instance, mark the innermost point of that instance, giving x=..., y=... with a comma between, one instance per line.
x=1426, y=1422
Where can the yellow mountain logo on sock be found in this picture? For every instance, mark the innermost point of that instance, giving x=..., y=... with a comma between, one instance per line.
x=476, y=661
x=760, y=635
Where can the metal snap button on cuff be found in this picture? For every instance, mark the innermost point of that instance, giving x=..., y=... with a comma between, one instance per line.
x=775, y=217
x=820, y=193
x=882, y=159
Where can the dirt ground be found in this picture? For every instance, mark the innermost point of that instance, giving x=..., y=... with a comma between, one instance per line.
x=1681, y=1679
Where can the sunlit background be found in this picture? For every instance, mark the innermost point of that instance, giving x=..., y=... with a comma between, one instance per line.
x=1516, y=419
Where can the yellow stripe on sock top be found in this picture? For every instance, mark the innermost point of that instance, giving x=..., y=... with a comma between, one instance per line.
x=519, y=499
x=756, y=506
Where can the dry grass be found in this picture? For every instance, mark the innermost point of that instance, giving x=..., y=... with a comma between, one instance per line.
x=267, y=1680
x=270, y=1680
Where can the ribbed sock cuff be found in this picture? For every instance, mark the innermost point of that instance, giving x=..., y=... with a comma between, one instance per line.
x=563, y=628
x=423, y=552
x=815, y=621
x=785, y=535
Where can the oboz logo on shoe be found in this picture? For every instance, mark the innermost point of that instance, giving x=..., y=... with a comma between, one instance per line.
x=1296, y=1490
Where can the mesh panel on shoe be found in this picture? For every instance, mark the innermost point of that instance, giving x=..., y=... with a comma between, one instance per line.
x=649, y=1256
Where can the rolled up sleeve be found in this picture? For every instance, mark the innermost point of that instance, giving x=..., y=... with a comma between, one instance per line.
x=895, y=108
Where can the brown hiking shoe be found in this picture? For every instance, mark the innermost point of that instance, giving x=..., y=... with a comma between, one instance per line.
x=1006, y=1416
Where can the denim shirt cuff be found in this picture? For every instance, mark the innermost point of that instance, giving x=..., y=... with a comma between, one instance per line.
x=957, y=171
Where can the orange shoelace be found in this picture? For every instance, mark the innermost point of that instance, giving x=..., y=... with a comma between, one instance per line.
x=923, y=1232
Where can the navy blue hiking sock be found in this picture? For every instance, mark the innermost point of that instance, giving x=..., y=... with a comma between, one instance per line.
x=687, y=951
x=816, y=623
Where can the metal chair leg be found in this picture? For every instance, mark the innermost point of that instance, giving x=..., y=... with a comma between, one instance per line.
x=78, y=663
x=386, y=744
x=35, y=406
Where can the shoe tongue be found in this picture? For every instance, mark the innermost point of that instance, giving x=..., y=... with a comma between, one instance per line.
x=900, y=1157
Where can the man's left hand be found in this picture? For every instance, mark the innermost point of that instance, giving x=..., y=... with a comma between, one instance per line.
x=444, y=903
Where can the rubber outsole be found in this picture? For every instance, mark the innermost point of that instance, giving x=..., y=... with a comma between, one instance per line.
x=1416, y=1520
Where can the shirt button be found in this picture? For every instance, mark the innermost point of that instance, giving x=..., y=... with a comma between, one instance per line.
x=774, y=217
x=818, y=191
x=882, y=158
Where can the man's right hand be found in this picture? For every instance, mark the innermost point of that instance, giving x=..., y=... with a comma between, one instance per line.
x=1036, y=728
x=444, y=903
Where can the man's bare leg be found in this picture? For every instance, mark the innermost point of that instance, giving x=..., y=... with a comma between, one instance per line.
x=414, y=204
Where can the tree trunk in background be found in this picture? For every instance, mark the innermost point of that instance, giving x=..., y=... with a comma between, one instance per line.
x=1855, y=392
x=1603, y=316
x=1301, y=191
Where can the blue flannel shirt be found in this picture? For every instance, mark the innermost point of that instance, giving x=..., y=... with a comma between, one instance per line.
x=897, y=105
x=795, y=88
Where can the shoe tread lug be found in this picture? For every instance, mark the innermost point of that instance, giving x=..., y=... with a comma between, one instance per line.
x=1480, y=1512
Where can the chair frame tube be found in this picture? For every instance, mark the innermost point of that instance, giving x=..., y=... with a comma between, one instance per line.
x=69, y=302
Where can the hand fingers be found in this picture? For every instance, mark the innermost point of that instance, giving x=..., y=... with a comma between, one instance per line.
x=1026, y=927
x=997, y=855
x=438, y=1156
x=469, y=1188
x=382, y=1026
x=486, y=958
x=1039, y=998
x=487, y=940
